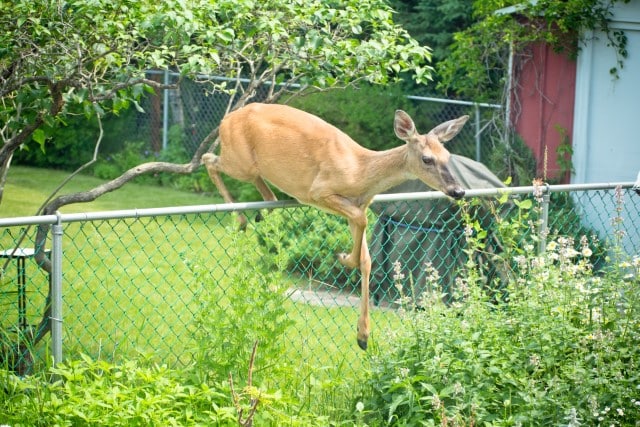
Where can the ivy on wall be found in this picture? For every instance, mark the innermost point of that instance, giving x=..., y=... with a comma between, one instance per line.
x=476, y=67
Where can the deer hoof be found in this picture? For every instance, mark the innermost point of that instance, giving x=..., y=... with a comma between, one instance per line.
x=346, y=260
x=362, y=344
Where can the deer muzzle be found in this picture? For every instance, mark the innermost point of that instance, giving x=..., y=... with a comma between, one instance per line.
x=456, y=192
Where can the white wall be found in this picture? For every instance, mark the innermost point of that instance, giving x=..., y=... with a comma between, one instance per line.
x=606, y=130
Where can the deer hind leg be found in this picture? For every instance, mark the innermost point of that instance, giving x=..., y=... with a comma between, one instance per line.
x=265, y=192
x=212, y=163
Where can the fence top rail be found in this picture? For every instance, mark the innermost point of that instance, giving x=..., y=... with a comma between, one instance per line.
x=233, y=207
x=453, y=101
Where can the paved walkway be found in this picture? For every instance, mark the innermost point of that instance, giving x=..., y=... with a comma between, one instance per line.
x=328, y=298
x=324, y=298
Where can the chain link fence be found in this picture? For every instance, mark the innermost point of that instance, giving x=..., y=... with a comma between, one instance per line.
x=135, y=282
x=196, y=109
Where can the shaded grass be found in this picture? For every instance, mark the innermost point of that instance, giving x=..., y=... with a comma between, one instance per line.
x=27, y=188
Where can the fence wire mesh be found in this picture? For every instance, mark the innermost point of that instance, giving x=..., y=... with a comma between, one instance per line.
x=137, y=287
x=195, y=109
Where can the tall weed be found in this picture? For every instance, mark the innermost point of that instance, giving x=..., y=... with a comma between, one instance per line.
x=240, y=308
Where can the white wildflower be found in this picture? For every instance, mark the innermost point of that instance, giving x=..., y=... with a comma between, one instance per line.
x=468, y=230
x=537, y=262
x=397, y=271
x=534, y=360
x=436, y=403
x=458, y=388
x=520, y=260
x=572, y=418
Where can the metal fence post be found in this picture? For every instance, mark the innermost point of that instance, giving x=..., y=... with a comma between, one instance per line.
x=544, y=220
x=165, y=111
x=56, y=292
x=477, y=113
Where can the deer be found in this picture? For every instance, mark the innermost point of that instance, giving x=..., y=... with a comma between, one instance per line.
x=321, y=166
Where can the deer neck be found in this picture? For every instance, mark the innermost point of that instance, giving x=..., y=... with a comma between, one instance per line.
x=386, y=169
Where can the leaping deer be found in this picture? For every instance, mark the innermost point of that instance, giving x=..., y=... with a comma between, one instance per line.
x=321, y=166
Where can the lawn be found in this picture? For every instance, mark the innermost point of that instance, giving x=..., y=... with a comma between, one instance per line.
x=130, y=288
x=27, y=188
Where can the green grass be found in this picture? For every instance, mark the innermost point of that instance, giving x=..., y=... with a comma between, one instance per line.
x=27, y=188
x=129, y=285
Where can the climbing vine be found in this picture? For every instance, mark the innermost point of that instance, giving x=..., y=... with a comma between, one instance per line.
x=476, y=67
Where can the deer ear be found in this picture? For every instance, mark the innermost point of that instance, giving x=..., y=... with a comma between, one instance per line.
x=447, y=130
x=403, y=125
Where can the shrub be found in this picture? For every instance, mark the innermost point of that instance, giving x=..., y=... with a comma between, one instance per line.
x=90, y=392
x=72, y=143
x=133, y=154
x=563, y=349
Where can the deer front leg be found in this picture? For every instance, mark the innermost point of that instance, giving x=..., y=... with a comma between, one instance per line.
x=357, y=218
x=357, y=226
x=365, y=273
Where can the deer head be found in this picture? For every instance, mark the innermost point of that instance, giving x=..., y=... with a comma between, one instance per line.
x=427, y=158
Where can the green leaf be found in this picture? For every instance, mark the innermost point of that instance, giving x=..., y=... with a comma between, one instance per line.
x=40, y=137
x=524, y=204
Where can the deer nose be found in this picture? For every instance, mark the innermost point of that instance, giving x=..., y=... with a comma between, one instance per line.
x=456, y=193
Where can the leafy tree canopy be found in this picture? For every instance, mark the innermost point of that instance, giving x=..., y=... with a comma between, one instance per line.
x=433, y=23
x=88, y=57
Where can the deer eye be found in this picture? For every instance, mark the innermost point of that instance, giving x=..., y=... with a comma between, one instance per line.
x=429, y=161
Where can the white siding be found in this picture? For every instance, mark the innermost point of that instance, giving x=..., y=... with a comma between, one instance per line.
x=606, y=131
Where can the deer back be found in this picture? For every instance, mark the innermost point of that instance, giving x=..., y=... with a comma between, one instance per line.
x=294, y=150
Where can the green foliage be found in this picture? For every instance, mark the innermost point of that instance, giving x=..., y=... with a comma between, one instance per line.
x=88, y=392
x=433, y=23
x=513, y=161
x=307, y=241
x=93, y=392
x=133, y=154
x=176, y=152
x=241, y=308
x=112, y=165
x=564, y=151
x=72, y=143
x=90, y=58
x=476, y=65
x=562, y=349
